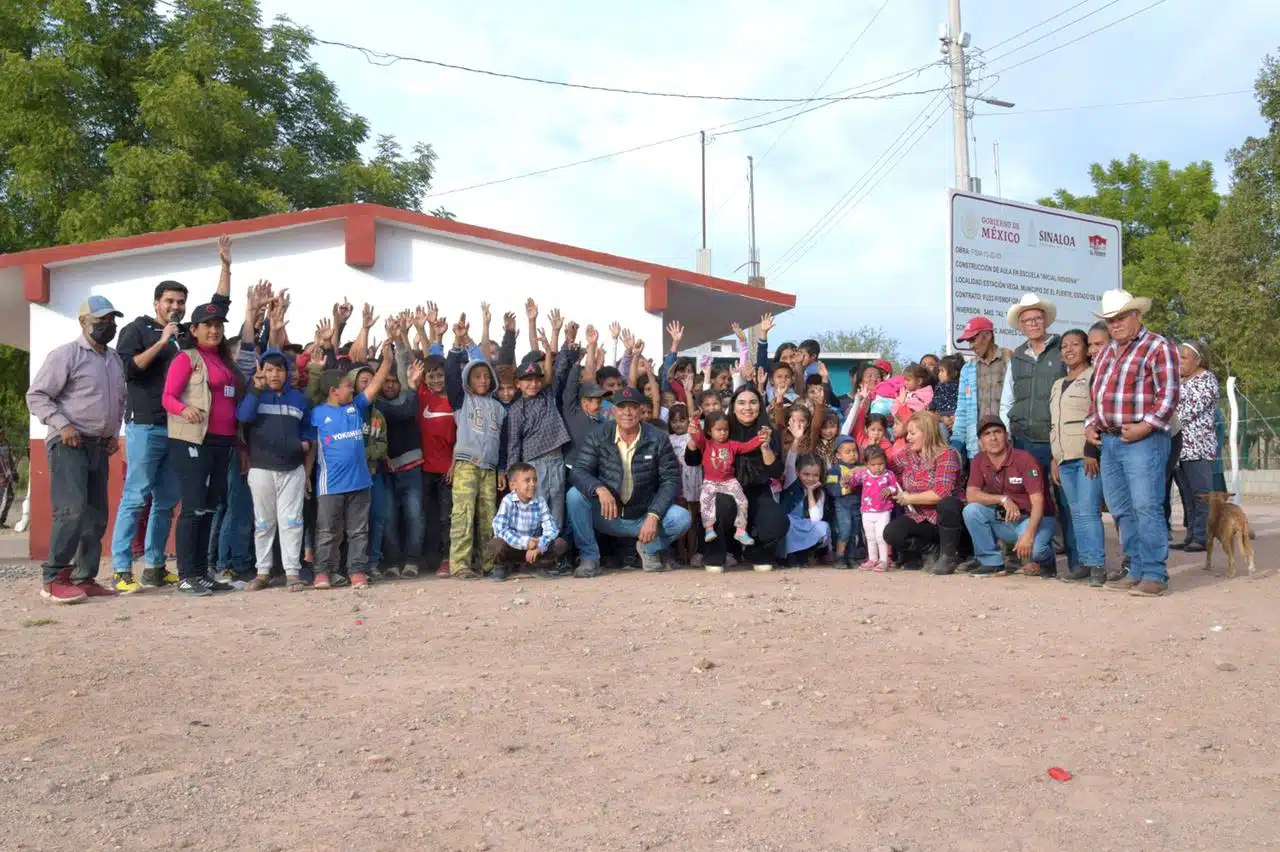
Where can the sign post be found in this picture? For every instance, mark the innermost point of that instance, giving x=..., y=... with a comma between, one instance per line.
x=998, y=250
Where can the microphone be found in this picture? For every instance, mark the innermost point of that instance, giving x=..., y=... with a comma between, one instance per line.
x=175, y=316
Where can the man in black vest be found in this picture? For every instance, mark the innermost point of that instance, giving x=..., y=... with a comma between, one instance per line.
x=1033, y=369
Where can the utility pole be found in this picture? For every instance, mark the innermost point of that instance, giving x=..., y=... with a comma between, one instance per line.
x=703, y=135
x=957, y=39
x=753, y=254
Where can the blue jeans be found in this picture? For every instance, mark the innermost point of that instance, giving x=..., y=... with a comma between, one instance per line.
x=379, y=514
x=1133, y=483
x=1043, y=453
x=585, y=520
x=848, y=522
x=147, y=455
x=1082, y=497
x=406, y=527
x=231, y=534
x=987, y=531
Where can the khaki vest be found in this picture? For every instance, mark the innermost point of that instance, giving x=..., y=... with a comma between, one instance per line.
x=198, y=396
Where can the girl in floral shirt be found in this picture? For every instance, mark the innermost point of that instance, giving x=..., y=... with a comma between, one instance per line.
x=1197, y=403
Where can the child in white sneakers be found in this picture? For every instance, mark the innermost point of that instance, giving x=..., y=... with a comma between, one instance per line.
x=718, y=477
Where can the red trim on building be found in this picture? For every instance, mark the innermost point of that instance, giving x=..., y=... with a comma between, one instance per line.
x=655, y=294
x=360, y=252
x=362, y=241
x=35, y=283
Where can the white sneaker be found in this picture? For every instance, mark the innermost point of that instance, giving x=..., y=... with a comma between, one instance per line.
x=762, y=567
x=715, y=569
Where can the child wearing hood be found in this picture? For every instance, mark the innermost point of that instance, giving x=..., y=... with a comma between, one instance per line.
x=276, y=420
x=478, y=452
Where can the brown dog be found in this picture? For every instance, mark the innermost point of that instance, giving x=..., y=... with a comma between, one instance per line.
x=1227, y=524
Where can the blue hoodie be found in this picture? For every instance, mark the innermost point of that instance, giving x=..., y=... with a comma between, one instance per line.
x=276, y=424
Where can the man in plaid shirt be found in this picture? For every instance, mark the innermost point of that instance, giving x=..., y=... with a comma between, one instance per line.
x=1133, y=399
x=524, y=529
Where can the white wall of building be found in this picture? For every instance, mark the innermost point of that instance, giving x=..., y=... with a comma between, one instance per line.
x=412, y=267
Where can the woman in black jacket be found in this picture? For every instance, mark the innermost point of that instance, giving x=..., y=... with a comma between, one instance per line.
x=766, y=521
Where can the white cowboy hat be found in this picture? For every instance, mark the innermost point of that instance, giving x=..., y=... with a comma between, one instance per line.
x=1029, y=301
x=1116, y=302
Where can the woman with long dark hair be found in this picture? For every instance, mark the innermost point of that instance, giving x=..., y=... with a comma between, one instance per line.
x=766, y=522
x=201, y=392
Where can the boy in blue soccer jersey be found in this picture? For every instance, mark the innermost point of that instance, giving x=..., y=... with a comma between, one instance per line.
x=342, y=472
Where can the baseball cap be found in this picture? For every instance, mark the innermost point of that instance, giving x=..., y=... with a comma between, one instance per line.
x=530, y=370
x=990, y=421
x=630, y=396
x=98, y=307
x=209, y=312
x=974, y=327
x=591, y=390
x=884, y=367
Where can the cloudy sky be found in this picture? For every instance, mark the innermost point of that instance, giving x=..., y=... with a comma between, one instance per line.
x=881, y=259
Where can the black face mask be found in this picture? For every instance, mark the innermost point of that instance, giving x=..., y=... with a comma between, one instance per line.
x=103, y=333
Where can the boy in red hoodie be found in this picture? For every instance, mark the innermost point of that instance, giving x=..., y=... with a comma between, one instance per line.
x=439, y=433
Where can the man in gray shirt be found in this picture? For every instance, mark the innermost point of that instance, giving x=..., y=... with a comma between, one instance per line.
x=79, y=394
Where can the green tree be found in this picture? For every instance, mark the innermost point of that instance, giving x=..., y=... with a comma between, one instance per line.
x=867, y=338
x=1234, y=284
x=117, y=120
x=1159, y=208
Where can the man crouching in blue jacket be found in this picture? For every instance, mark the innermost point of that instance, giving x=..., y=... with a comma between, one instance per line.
x=277, y=427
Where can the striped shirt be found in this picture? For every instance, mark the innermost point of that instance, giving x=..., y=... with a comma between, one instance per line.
x=517, y=523
x=1135, y=383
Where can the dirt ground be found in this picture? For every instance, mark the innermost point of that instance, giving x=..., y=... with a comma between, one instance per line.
x=808, y=709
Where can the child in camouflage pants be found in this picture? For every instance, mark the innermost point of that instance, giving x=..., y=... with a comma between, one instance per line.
x=476, y=455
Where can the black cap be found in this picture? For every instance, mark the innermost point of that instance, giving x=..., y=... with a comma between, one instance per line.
x=991, y=421
x=591, y=390
x=208, y=312
x=530, y=370
x=630, y=396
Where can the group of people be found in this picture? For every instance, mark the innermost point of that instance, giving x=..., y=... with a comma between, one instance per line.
x=337, y=464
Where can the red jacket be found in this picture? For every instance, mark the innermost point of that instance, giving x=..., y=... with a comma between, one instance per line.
x=438, y=429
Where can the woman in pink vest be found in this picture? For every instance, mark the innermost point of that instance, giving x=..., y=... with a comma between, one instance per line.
x=200, y=395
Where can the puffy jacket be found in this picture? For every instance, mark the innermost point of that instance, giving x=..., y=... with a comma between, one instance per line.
x=276, y=424
x=655, y=473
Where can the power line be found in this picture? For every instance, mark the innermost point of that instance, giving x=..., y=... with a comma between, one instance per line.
x=866, y=193
x=799, y=244
x=1120, y=104
x=1039, y=25
x=1067, y=25
x=712, y=133
x=818, y=88
x=1078, y=38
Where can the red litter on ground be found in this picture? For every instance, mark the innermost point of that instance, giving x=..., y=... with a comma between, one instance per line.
x=1057, y=773
x=359, y=621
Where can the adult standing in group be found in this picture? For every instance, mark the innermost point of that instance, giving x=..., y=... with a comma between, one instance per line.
x=1133, y=399
x=982, y=382
x=201, y=393
x=147, y=346
x=932, y=483
x=1076, y=461
x=1197, y=407
x=755, y=470
x=625, y=478
x=79, y=392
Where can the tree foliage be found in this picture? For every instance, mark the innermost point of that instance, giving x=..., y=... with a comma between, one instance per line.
x=1159, y=208
x=1234, y=285
x=867, y=338
x=116, y=119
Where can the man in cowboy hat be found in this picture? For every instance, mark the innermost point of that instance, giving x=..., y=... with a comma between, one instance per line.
x=1024, y=405
x=982, y=381
x=1133, y=401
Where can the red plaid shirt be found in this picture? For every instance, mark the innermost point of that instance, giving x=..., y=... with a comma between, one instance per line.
x=917, y=474
x=1137, y=383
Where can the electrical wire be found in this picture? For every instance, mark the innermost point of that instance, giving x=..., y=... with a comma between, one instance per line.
x=1120, y=104
x=1067, y=25
x=1016, y=36
x=801, y=244
x=1056, y=48
x=866, y=193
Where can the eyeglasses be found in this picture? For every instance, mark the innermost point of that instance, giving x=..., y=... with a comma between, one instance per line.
x=1032, y=320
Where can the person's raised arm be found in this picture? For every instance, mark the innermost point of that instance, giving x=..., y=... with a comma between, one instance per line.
x=341, y=314
x=386, y=358
x=531, y=314
x=224, y=275
x=557, y=323
x=255, y=301
x=507, y=349
x=486, y=320
x=359, y=352
x=398, y=334
x=656, y=397
x=278, y=324
x=636, y=353
x=676, y=331
x=762, y=346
